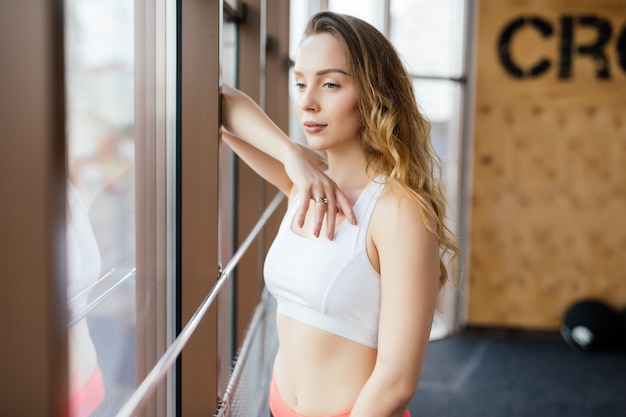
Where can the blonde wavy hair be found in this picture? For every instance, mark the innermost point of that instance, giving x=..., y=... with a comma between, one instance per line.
x=394, y=133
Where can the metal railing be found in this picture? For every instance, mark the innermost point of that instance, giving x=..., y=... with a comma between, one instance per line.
x=248, y=386
x=160, y=370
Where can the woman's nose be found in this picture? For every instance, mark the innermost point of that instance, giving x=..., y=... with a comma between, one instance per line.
x=308, y=101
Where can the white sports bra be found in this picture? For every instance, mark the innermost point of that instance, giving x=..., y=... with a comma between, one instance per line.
x=328, y=284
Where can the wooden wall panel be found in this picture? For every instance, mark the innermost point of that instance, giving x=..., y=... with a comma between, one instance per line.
x=548, y=223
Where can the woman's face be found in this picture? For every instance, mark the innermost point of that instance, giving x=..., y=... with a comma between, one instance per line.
x=326, y=94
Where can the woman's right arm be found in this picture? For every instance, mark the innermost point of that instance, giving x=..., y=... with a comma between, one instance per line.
x=244, y=120
x=267, y=167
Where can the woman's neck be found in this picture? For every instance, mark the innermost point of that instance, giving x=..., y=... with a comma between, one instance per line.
x=349, y=169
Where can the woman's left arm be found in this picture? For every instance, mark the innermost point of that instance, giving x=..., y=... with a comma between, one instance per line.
x=409, y=266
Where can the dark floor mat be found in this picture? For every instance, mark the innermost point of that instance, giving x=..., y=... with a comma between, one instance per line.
x=498, y=376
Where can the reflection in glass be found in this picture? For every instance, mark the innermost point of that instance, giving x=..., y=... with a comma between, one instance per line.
x=86, y=386
x=101, y=233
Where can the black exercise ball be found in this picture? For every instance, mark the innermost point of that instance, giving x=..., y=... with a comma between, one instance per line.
x=591, y=325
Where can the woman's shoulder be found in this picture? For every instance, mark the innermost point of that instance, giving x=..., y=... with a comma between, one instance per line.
x=400, y=237
x=398, y=211
x=394, y=199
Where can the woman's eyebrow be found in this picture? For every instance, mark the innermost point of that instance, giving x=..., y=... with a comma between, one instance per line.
x=326, y=71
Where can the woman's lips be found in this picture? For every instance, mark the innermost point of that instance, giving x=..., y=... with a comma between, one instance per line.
x=312, y=127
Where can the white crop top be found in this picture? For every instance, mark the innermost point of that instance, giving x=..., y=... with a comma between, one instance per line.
x=328, y=284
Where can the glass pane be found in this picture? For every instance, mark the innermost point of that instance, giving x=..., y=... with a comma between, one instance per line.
x=434, y=98
x=429, y=35
x=227, y=210
x=369, y=10
x=440, y=103
x=101, y=227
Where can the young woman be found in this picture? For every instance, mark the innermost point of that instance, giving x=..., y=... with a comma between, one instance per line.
x=356, y=265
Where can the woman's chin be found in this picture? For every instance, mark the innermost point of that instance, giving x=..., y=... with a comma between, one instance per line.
x=316, y=144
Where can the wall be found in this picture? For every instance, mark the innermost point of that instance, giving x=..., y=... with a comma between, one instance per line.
x=548, y=222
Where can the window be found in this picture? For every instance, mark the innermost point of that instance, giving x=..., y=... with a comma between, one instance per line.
x=372, y=11
x=121, y=141
x=101, y=244
x=430, y=38
x=227, y=212
x=142, y=229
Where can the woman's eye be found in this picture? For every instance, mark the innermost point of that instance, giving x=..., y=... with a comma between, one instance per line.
x=331, y=85
x=300, y=86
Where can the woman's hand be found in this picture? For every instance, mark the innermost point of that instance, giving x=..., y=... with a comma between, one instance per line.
x=313, y=184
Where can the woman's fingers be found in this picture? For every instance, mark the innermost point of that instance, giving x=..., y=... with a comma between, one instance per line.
x=313, y=184
x=328, y=202
x=304, y=207
x=320, y=210
x=331, y=214
x=345, y=207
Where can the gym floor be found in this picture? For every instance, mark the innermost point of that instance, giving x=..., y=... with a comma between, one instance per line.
x=511, y=374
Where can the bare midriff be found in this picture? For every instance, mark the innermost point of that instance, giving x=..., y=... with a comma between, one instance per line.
x=312, y=364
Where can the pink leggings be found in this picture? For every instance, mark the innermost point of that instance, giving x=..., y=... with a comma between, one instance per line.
x=278, y=408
